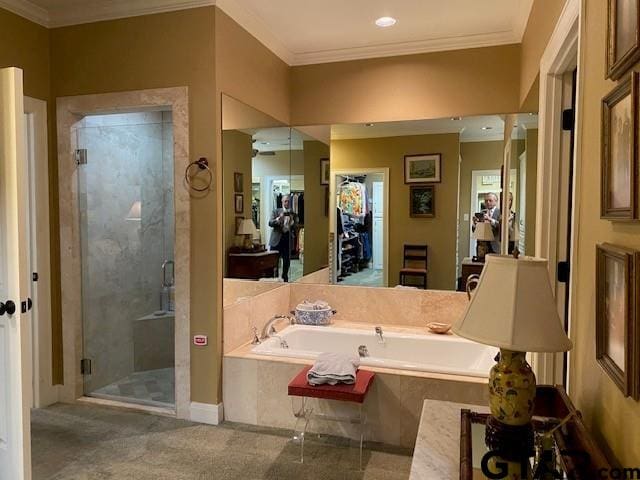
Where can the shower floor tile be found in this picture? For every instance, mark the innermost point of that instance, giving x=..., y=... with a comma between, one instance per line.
x=152, y=387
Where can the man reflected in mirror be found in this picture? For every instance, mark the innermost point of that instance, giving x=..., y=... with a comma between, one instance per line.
x=491, y=214
x=283, y=222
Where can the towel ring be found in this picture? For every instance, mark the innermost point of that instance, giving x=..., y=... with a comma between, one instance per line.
x=202, y=164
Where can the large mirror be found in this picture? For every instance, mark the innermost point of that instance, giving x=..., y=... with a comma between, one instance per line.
x=426, y=196
x=412, y=204
x=275, y=201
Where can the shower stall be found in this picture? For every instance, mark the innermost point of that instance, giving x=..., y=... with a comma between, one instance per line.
x=126, y=202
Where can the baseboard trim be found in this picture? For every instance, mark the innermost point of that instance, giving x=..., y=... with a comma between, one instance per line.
x=207, y=413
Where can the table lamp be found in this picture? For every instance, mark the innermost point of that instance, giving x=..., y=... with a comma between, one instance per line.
x=483, y=233
x=513, y=308
x=248, y=229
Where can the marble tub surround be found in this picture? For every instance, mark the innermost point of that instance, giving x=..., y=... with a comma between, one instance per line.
x=242, y=316
x=319, y=277
x=437, y=451
x=234, y=289
x=389, y=306
x=70, y=113
x=255, y=392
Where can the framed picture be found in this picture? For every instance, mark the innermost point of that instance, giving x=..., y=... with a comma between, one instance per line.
x=238, y=182
x=422, y=201
x=623, y=38
x=238, y=222
x=616, y=315
x=619, y=163
x=422, y=168
x=239, y=202
x=325, y=171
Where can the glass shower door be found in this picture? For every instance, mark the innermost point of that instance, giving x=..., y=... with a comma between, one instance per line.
x=127, y=240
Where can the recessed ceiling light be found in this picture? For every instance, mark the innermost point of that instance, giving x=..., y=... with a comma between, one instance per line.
x=487, y=128
x=369, y=124
x=386, y=22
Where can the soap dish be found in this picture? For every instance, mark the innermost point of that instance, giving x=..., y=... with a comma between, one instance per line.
x=437, y=327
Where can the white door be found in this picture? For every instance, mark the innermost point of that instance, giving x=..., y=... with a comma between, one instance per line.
x=15, y=375
x=378, y=225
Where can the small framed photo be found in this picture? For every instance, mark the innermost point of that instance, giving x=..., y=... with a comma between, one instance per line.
x=619, y=162
x=238, y=222
x=623, y=37
x=617, y=316
x=422, y=168
x=325, y=171
x=326, y=201
x=422, y=201
x=238, y=182
x=239, y=202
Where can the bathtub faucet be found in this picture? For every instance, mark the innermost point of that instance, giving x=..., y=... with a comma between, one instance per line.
x=379, y=334
x=269, y=329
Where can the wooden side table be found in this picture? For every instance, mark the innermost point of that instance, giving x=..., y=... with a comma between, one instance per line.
x=252, y=266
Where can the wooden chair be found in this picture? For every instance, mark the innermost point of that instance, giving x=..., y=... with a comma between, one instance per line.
x=415, y=255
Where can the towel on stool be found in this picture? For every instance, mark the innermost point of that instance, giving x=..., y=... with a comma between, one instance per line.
x=332, y=368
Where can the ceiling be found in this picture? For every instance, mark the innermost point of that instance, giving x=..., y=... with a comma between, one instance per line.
x=471, y=129
x=304, y=32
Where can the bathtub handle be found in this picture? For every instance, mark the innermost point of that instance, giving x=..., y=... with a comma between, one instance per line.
x=472, y=283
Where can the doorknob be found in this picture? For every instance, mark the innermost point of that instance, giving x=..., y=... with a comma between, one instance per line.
x=8, y=308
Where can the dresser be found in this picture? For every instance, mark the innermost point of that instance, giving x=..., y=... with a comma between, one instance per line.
x=252, y=266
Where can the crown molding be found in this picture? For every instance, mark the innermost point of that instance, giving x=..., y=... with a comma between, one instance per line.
x=253, y=24
x=407, y=48
x=96, y=10
x=27, y=10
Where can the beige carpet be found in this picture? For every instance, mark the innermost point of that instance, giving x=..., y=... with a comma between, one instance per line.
x=88, y=442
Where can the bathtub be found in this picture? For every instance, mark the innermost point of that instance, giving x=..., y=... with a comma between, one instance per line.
x=447, y=354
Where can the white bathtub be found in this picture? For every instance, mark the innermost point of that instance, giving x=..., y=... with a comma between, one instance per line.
x=428, y=353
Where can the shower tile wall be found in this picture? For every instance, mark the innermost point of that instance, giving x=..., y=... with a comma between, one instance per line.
x=130, y=159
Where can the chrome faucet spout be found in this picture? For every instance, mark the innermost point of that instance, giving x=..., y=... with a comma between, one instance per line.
x=379, y=334
x=269, y=328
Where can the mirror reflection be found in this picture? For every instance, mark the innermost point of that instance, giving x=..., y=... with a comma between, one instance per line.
x=276, y=220
x=409, y=204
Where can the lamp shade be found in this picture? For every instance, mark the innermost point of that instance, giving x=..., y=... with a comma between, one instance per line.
x=483, y=232
x=513, y=308
x=247, y=227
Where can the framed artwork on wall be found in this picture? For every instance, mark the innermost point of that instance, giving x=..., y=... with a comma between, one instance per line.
x=238, y=182
x=617, y=316
x=238, y=222
x=238, y=200
x=325, y=171
x=422, y=168
x=422, y=201
x=623, y=37
x=619, y=162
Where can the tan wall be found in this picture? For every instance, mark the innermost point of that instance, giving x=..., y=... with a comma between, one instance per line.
x=438, y=233
x=542, y=21
x=531, y=186
x=164, y=50
x=432, y=85
x=475, y=156
x=247, y=71
x=316, y=229
x=613, y=419
x=237, y=152
x=26, y=45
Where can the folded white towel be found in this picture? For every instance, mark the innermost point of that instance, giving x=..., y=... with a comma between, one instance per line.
x=332, y=368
